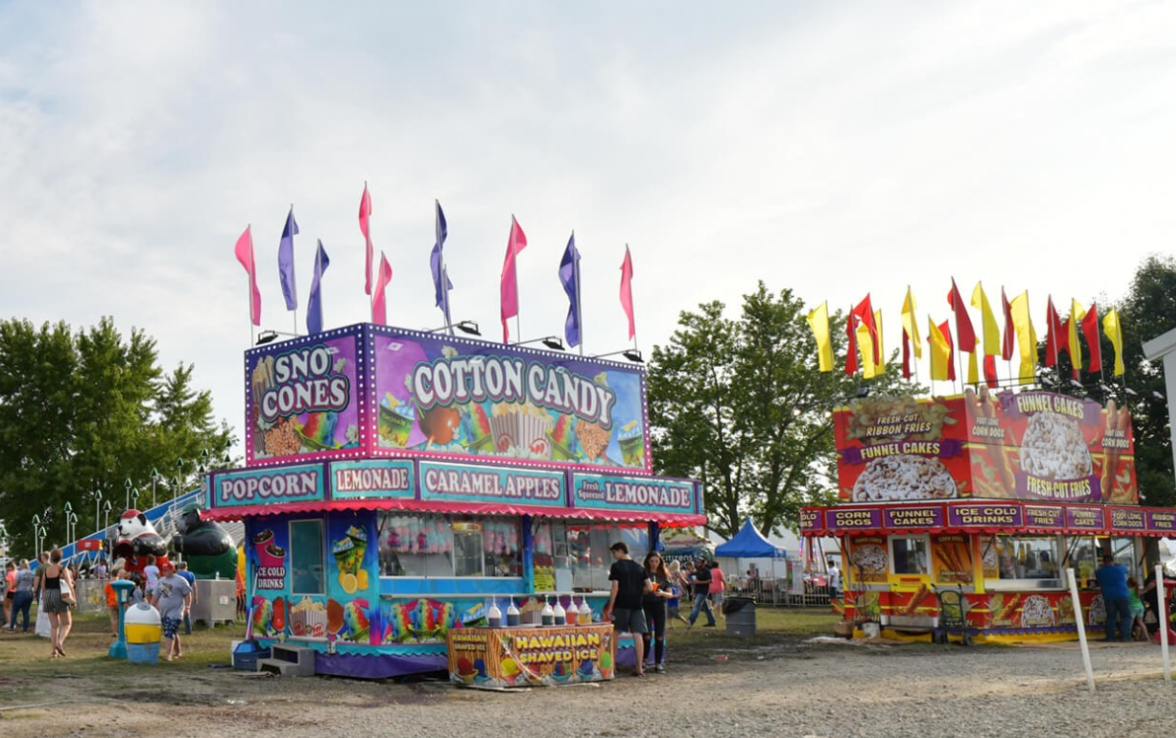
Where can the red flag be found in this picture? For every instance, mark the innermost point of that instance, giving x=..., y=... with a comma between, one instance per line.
x=244, y=252
x=990, y=370
x=627, y=290
x=906, y=355
x=508, y=286
x=1006, y=343
x=1055, y=333
x=365, y=214
x=964, y=332
x=851, y=366
x=865, y=314
x=1090, y=330
x=379, y=303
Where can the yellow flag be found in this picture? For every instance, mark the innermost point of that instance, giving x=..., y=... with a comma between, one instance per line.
x=1114, y=332
x=987, y=322
x=818, y=321
x=940, y=352
x=910, y=325
x=1076, y=314
x=1026, y=337
x=973, y=369
x=869, y=368
x=866, y=346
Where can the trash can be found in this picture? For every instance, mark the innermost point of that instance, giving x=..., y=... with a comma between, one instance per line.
x=740, y=612
x=143, y=630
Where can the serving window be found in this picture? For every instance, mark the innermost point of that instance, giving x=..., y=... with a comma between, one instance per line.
x=1009, y=558
x=588, y=553
x=440, y=546
x=908, y=555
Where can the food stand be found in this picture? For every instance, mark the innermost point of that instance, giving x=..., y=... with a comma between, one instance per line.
x=994, y=496
x=398, y=484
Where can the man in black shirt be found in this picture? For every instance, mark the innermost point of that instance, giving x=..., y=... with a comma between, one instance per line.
x=702, y=580
x=629, y=585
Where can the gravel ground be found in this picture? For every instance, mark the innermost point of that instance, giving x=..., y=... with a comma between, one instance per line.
x=802, y=689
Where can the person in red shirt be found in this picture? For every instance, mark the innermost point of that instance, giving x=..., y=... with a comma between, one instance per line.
x=718, y=585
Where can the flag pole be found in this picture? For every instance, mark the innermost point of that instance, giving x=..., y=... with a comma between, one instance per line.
x=634, y=309
x=445, y=295
x=367, y=267
x=292, y=256
x=515, y=260
x=249, y=290
x=579, y=312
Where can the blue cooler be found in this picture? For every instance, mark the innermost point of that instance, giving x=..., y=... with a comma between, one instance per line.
x=144, y=629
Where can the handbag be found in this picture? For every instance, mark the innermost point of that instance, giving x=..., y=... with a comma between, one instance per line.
x=67, y=593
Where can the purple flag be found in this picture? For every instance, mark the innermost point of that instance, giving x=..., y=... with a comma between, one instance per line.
x=441, y=283
x=314, y=307
x=286, y=261
x=569, y=276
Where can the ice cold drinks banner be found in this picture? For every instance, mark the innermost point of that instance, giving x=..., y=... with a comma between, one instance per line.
x=1023, y=446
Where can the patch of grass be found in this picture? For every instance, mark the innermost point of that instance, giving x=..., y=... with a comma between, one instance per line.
x=25, y=656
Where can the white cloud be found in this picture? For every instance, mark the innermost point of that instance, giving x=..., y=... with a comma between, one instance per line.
x=833, y=149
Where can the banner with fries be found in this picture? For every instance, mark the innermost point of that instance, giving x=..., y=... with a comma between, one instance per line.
x=1015, y=446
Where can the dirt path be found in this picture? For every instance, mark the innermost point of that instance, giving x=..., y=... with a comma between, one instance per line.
x=792, y=688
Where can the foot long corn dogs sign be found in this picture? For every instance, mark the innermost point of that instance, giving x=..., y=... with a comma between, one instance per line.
x=1022, y=446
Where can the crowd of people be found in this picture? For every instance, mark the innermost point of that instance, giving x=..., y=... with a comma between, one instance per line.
x=645, y=600
x=53, y=585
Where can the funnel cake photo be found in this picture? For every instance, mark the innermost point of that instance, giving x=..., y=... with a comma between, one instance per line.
x=904, y=477
x=1053, y=448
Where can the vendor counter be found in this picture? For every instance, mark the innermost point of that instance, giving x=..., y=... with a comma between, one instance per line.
x=492, y=658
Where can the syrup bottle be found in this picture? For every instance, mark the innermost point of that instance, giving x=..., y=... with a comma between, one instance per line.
x=494, y=615
x=561, y=615
x=585, y=612
x=512, y=614
x=547, y=615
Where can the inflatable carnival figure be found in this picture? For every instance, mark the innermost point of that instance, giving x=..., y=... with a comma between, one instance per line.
x=136, y=540
x=205, y=545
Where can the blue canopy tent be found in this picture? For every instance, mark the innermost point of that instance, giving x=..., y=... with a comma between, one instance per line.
x=749, y=543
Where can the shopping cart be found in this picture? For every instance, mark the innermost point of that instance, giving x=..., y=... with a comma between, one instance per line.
x=953, y=610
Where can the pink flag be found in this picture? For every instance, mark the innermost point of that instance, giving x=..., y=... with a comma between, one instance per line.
x=627, y=290
x=365, y=214
x=379, y=304
x=244, y=251
x=509, y=286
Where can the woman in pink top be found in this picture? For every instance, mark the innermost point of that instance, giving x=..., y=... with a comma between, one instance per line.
x=718, y=586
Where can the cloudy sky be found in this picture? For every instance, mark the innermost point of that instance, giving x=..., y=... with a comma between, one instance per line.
x=836, y=149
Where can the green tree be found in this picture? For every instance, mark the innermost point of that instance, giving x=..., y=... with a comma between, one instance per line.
x=1146, y=311
x=1149, y=310
x=741, y=406
x=82, y=413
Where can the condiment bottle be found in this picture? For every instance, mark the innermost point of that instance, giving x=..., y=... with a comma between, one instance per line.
x=585, y=612
x=561, y=616
x=547, y=616
x=494, y=615
x=512, y=614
